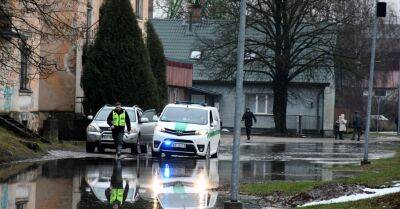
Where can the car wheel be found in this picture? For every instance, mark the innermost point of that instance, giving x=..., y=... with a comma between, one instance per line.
x=100, y=148
x=134, y=149
x=143, y=148
x=215, y=155
x=90, y=147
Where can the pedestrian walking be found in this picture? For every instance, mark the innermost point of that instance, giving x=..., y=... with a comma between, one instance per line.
x=248, y=118
x=356, y=126
x=336, y=129
x=116, y=194
x=117, y=120
x=342, y=125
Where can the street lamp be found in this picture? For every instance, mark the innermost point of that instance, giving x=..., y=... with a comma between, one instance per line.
x=380, y=11
x=234, y=203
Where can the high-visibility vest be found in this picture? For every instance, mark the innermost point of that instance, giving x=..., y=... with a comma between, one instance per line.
x=119, y=120
x=117, y=195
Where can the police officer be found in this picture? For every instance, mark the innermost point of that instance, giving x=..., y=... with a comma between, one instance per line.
x=116, y=194
x=117, y=120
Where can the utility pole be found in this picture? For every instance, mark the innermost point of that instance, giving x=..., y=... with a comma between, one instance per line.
x=398, y=102
x=380, y=11
x=234, y=203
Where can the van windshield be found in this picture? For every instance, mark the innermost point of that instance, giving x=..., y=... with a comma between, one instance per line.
x=103, y=114
x=185, y=115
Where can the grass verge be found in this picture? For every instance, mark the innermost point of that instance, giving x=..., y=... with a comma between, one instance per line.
x=14, y=148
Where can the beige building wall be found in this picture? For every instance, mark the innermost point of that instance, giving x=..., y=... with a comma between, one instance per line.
x=22, y=104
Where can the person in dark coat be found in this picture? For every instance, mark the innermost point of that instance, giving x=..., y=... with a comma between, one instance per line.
x=248, y=118
x=336, y=129
x=116, y=194
x=117, y=120
x=356, y=126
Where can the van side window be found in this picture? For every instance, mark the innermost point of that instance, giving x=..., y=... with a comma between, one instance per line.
x=211, y=117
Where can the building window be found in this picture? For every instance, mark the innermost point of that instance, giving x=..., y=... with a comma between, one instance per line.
x=24, y=67
x=258, y=103
x=139, y=8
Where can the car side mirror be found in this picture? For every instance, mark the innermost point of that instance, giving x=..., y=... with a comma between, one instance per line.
x=90, y=117
x=155, y=118
x=213, y=124
x=224, y=130
x=144, y=120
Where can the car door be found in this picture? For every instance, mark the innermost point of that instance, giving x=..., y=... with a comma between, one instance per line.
x=148, y=121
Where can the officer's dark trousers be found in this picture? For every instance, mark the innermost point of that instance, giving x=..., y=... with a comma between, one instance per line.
x=118, y=139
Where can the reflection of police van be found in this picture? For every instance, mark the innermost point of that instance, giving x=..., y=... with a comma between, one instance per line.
x=188, y=129
x=184, y=184
x=98, y=177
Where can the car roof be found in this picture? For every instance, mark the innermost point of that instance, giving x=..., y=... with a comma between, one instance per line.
x=197, y=106
x=127, y=108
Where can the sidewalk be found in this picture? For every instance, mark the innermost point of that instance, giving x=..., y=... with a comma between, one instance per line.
x=270, y=139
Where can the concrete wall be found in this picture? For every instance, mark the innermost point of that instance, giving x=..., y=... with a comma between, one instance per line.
x=302, y=101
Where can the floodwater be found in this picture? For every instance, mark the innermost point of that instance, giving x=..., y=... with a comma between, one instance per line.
x=85, y=183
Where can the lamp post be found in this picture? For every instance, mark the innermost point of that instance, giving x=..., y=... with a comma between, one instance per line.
x=380, y=11
x=234, y=203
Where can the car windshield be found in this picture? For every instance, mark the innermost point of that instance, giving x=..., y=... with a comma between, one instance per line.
x=103, y=114
x=185, y=115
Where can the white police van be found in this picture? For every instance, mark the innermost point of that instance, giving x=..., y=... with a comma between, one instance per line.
x=187, y=129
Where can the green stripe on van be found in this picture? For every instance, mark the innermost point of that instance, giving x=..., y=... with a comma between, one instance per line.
x=181, y=126
x=214, y=133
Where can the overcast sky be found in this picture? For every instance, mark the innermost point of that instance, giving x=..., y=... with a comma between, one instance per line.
x=395, y=4
x=392, y=3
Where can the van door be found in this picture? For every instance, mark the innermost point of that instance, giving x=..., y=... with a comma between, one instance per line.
x=148, y=121
x=217, y=128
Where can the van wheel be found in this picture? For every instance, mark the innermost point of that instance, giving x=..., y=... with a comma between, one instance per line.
x=155, y=154
x=216, y=154
x=90, y=147
x=208, y=153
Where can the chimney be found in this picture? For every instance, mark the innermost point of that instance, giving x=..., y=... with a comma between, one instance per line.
x=194, y=12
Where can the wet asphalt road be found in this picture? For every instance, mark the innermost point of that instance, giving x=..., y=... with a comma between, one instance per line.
x=80, y=181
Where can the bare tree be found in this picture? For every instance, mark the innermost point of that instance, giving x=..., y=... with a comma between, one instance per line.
x=26, y=25
x=287, y=41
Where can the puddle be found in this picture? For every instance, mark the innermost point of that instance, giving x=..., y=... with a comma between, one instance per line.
x=84, y=180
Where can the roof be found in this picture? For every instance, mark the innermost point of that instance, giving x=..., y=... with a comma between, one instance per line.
x=179, y=41
x=208, y=92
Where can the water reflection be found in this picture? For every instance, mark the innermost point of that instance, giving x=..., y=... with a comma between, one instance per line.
x=115, y=187
x=175, y=183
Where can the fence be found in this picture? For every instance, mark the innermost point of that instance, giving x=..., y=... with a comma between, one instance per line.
x=300, y=124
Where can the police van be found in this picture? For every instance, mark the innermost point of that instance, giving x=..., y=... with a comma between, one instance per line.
x=187, y=129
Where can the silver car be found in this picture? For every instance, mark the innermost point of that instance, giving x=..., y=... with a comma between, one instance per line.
x=98, y=133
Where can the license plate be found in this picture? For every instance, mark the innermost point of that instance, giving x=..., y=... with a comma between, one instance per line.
x=107, y=137
x=179, y=145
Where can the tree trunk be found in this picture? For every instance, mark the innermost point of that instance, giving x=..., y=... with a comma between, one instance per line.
x=280, y=88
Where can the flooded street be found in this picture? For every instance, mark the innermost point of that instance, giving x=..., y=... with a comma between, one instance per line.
x=87, y=181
